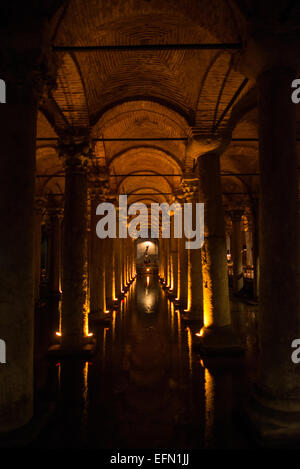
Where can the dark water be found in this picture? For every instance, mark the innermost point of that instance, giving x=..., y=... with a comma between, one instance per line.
x=145, y=387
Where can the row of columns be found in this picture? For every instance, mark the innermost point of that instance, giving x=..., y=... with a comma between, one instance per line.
x=50, y=216
x=277, y=383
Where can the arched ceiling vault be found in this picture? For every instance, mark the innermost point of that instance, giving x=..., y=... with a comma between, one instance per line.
x=154, y=94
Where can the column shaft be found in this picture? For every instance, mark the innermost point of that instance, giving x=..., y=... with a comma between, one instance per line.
x=18, y=132
x=74, y=299
x=278, y=288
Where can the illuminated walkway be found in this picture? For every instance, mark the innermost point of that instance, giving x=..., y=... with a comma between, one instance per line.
x=145, y=388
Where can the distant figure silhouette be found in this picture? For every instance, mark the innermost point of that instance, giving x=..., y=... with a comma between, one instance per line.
x=146, y=256
x=2, y=351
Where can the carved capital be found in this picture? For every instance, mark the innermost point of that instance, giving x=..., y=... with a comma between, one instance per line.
x=75, y=149
x=40, y=205
x=190, y=187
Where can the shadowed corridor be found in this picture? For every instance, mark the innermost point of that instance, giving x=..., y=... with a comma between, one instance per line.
x=145, y=387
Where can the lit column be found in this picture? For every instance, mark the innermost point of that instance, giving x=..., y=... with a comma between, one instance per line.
x=236, y=252
x=39, y=211
x=249, y=241
x=108, y=257
x=216, y=336
x=255, y=223
x=74, y=151
x=97, y=263
x=118, y=260
x=55, y=215
x=278, y=380
x=166, y=260
x=194, y=310
x=174, y=257
x=18, y=119
x=183, y=253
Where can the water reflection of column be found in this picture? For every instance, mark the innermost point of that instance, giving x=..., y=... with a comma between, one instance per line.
x=218, y=404
x=74, y=402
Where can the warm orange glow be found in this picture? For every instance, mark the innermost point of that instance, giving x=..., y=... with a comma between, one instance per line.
x=113, y=325
x=58, y=334
x=148, y=270
x=107, y=311
x=189, y=283
x=210, y=394
x=90, y=334
x=148, y=280
x=86, y=309
x=200, y=333
x=189, y=340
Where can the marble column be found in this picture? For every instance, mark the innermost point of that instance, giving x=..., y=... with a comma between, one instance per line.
x=183, y=253
x=17, y=181
x=74, y=296
x=277, y=390
x=39, y=212
x=174, y=260
x=194, y=311
x=249, y=242
x=256, y=263
x=55, y=215
x=216, y=336
x=118, y=276
x=108, y=257
x=97, y=267
x=236, y=250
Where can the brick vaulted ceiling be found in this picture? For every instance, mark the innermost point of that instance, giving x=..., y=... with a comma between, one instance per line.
x=140, y=94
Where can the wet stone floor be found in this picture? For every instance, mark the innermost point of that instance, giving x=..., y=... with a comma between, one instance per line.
x=145, y=387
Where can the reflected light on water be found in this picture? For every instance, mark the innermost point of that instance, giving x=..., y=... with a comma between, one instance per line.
x=189, y=343
x=113, y=325
x=209, y=404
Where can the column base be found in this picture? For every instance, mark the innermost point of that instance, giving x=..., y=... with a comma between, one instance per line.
x=193, y=317
x=217, y=341
x=61, y=351
x=272, y=427
x=171, y=294
x=101, y=316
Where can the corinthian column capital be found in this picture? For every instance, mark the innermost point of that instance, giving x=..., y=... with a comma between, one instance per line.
x=75, y=149
x=190, y=187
